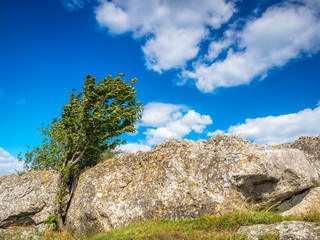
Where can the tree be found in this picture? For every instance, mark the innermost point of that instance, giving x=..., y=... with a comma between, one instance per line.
x=90, y=125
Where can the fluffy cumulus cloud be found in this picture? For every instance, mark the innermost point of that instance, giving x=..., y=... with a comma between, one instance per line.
x=279, y=129
x=164, y=121
x=159, y=114
x=282, y=33
x=173, y=29
x=8, y=163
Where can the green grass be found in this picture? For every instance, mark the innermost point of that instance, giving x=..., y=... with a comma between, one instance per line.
x=167, y=230
x=208, y=227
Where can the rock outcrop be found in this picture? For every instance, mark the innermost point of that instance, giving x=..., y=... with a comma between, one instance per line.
x=286, y=230
x=26, y=201
x=175, y=180
x=186, y=179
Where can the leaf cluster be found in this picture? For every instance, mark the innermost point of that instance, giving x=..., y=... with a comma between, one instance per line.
x=90, y=124
x=52, y=222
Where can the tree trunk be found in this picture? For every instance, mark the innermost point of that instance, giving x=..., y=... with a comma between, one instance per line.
x=59, y=205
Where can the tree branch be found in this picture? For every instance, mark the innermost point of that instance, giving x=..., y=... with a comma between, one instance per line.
x=80, y=156
x=85, y=147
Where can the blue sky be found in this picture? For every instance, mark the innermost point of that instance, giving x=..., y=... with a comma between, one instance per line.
x=246, y=68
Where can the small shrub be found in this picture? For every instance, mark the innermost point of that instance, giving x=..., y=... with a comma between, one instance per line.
x=52, y=222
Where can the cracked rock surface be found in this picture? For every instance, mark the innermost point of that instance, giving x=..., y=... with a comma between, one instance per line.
x=26, y=201
x=186, y=179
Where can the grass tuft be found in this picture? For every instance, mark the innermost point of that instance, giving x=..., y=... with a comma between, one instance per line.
x=207, y=227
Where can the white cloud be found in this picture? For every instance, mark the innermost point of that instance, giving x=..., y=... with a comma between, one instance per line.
x=134, y=147
x=8, y=163
x=173, y=32
x=217, y=46
x=284, y=32
x=280, y=129
x=173, y=29
x=165, y=121
x=215, y=133
x=108, y=14
x=158, y=114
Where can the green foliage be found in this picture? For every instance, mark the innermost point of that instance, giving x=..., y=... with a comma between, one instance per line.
x=90, y=125
x=52, y=221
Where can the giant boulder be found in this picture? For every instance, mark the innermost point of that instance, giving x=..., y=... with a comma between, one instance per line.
x=186, y=179
x=26, y=201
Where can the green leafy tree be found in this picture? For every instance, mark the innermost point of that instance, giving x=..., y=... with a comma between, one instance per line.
x=89, y=126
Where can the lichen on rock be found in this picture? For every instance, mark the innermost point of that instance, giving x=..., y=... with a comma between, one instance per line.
x=26, y=201
x=186, y=179
x=175, y=180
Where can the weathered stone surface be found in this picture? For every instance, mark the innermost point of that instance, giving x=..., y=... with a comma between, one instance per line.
x=311, y=147
x=26, y=200
x=186, y=179
x=310, y=202
x=293, y=230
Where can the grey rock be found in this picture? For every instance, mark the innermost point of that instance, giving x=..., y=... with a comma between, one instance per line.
x=310, y=202
x=26, y=200
x=311, y=147
x=186, y=179
x=287, y=230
